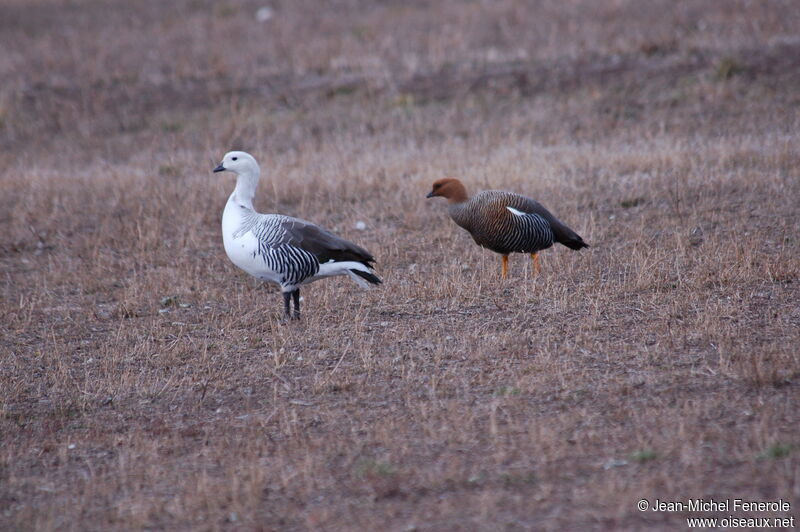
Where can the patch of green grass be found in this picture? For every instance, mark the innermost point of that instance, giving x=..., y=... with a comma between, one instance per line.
x=728, y=67
x=518, y=478
x=342, y=90
x=405, y=102
x=225, y=10
x=375, y=468
x=775, y=451
x=644, y=455
x=171, y=127
x=505, y=391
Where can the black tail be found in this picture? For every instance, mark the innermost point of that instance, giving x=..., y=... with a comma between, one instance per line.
x=564, y=235
x=371, y=277
x=575, y=243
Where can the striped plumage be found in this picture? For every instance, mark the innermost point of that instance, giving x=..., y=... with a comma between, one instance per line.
x=505, y=222
x=287, y=251
x=292, y=264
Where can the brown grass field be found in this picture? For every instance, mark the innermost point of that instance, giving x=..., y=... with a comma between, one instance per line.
x=148, y=384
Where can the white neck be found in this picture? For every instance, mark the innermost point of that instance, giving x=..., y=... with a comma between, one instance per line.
x=245, y=190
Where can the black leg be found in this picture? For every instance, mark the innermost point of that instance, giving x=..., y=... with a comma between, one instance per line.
x=287, y=296
x=296, y=296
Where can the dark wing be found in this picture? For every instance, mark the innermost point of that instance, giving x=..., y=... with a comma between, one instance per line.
x=322, y=244
x=561, y=233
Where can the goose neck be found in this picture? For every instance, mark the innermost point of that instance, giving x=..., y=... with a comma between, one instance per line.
x=245, y=191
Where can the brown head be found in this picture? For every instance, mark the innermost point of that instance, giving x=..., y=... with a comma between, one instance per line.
x=450, y=188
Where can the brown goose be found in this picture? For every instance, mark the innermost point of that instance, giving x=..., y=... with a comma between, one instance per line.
x=505, y=222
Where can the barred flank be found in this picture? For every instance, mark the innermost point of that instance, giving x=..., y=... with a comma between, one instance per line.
x=291, y=262
x=493, y=226
x=527, y=234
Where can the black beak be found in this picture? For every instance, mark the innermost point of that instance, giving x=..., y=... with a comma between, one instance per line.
x=430, y=194
x=219, y=168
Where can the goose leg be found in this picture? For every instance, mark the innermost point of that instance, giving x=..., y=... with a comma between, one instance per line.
x=535, y=260
x=504, y=270
x=287, y=297
x=296, y=297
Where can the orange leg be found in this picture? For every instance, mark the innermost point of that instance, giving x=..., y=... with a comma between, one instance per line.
x=535, y=259
x=504, y=271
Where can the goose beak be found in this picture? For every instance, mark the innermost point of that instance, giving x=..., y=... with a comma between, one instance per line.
x=219, y=168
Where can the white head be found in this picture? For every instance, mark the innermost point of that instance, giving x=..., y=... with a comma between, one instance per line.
x=238, y=162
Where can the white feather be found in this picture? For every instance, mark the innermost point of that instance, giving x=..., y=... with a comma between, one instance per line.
x=331, y=268
x=514, y=211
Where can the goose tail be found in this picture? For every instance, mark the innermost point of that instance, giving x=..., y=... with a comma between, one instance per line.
x=364, y=279
x=362, y=274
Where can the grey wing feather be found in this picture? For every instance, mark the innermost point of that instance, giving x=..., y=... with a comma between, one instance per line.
x=321, y=243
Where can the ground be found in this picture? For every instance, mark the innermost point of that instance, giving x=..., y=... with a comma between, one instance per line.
x=146, y=383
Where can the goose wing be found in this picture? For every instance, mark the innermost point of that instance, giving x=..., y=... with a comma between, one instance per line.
x=561, y=232
x=321, y=243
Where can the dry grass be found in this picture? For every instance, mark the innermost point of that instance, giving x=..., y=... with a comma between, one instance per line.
x=148, y=384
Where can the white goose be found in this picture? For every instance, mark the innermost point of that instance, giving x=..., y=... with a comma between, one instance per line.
x=280, y=249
